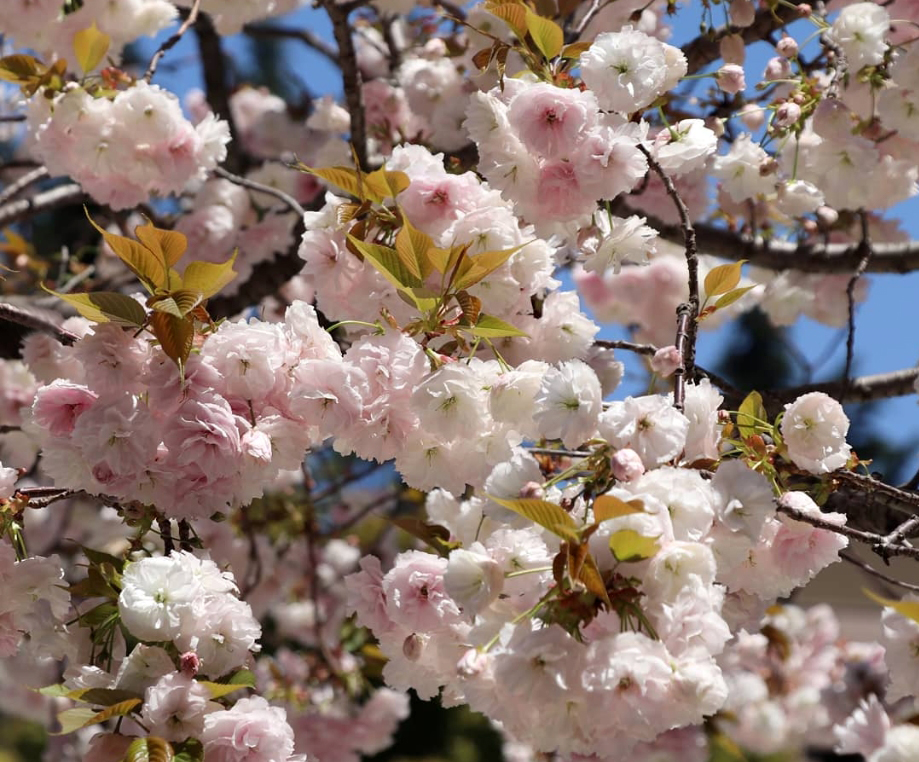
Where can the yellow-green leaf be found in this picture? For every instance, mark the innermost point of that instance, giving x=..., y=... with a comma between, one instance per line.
x=470, y=305
x=15, y=244
x=575, y=49
x=151, y=270
x=478, y=266
x=342, y=177
x=219, y=690
x=90, y=46
x=149, y=749
x=723, y=278
x=385, y=183
x=174, y=334
x=412, y=246
x=590, y=575
x=167, y=245
x=208, y=278
x=489, y=327
x=750, y=413
x=178, y=303
x=513, y=14
x=81, y=717
x=909, y=609
x=628, y=546
x=102, y=696
x=547, y=35
x=21, y=69
x=547, y=514
x=106, y=307
x=608, y=507
x=388, y=262
x=732, y=296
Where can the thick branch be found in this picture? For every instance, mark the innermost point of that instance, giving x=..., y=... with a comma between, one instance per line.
x=898, y=383
x=40, y=202
x=35, y=322
x=351, y=78
x=216, y=90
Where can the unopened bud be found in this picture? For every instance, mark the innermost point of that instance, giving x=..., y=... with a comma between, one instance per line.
x=532, y=491
x=666, y=360
x=743, y=12
x=626, y=465
x=412, y=647
x=752, y=116
x=189, y=663
x=777, y=68
x=787, y=114
x=805, y=10
x=730, y=78
x=769, y=167
x=787, y=47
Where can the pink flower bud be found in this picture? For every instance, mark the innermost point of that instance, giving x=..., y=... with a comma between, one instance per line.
x=730, y=78
x=743, y=12
x=787, y=114
x=787, y=47
x=532, y=490
x=626, y=465
x=733, y=49
x=189, y=663
x=666, y=360
x=777, y=68
x=752, y=116
x=412, y=647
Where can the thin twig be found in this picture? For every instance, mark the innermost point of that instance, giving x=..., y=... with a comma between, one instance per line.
x=595, y=7
x=303, y=35
x=12, y=118
x=692, y=260
x=172, y=41
x=848, y=557
x=261, y=188
x=15, y=188
x=684, y=313
x=351, y=77
x=865, y=246
x=630, y=346
x=35, y=322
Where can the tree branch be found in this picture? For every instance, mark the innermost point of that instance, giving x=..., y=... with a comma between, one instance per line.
x=351, y=78
x=865, y=249
x=215, y=86
x=303, y=35
x=40, y=202
x=15, y=187
x=261, y=188
x=172, y=41
x=35, y=322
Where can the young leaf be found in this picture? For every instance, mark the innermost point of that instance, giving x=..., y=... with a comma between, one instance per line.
x=174, y=334
x=732, y=296
x=629, y=546
x=590, y=575
x=412, y=246
x=575, y=49
x=548, y=515
x=343, y=177
x=478, y=266
x=208, y=278
x=243, y=677
x=219, y=690
x=607, y=507
x=21, y=69
x=547, y=35
x=90, y=46
x=909, y=609
x=178, y=303
x=723, y=278
x=74, y=719
x=511, y=13
x=750, y=412
x=149, y=749
x=167, y=245
x=488, y=327
x=106, y=307
x=102, y=696
x=388, y=262
x=146, y=265
x=470, y=305
x=385, y=183
x=434, y=536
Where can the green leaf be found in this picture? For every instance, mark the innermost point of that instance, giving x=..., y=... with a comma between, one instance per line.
x=99, y=557
x=178, y=303
x=629, y=546
x=94, y=585
x=547, y=514
x=488, y=327
x=21, y=69
x=607, y=507
x=908, y=609
x=105, y=307
x=219, y=690
x=547, y=35
x=81, y=717
x=167, y=245
x=103, y=696
x=90, y=46
x=723, y=278
x=174, y=334
x=412, y=246
x=342, y=177
x=751, y=412
x=243, y=677
x=434, y=536
x=388, y=262
x=732, y=296
x=59, y=690
x=385, y=183
x=575, y=49
x=189, y=751
x=149, y=749
x=208, y=278
x=100, y=614
x=146, y=265
x=476, y=267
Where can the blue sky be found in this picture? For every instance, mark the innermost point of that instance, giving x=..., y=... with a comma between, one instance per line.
x=884, y=340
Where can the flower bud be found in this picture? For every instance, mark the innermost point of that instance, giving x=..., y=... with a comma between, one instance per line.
x=412, y=647
x=743, y=12
x=532, y=490
x=626, y=465
x=189, y=663
x=787, y=114
x=787, y=47
x=752, y=116
x=730, y=78
x=666, y=360
x=777, y=68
